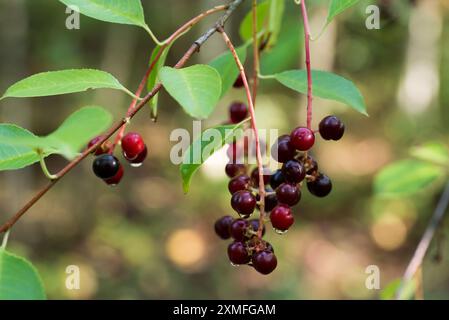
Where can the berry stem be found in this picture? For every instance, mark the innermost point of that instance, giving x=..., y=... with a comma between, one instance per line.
x=254, y=127
x=178, y=33
x=256, y=64
x=308, y=65
x=193, y=48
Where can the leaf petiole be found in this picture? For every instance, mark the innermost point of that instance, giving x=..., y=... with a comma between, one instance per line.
x=44, y=166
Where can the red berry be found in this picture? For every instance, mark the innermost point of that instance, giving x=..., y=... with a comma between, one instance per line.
x=321, y=186
x=106, y=166
x=288, y=194
x=137, y=162
x=238, y=229
x=132, y=145
x=264, y=261
x=223, y=227
x=331, y=128
x=282, y=150
x=238, y=183
x=255, y=176
x=281, y=217
x=244, y=202
x=293, y=171
x=238, y=112
x=302, y=138
x=115, y=180
x=237, y=253
x=233, y=169
x=102, y=149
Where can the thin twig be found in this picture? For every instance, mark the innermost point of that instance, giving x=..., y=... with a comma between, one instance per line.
x=194, y=48
x=427, y=237
x=254, y=127
x=309, y=70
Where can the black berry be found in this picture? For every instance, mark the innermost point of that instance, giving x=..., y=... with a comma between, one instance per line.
x=237, y=253
x=232, y=169
x=331, y=128
x=282, y=150
x=293, y=171
x=277, y=179
x=238, y=229
x=106, y=166
x=238, y=183
x=254, y=223
x=238, y=82
x=255, y=176
x=321, y=186
x=115, y=180
x=288, y=194
x=244, y=202
x=264, y=261
x=238, y=112
x=222, y=227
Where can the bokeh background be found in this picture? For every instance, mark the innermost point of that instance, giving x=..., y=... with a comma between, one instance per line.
x=145, y=239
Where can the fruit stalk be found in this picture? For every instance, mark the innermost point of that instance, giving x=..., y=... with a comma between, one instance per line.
x=193, y=48
x=254, y=127
x=256, y=64
x=308, y=64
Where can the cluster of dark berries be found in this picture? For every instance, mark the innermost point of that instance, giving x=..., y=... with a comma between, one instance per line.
x=107, y=167
x=283, y=191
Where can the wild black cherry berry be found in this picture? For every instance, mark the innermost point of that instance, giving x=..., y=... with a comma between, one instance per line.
x=223, y=227
x=238, y=112
x=244, y=202
x=106, y=166
x=302, y=138
x=238, y=183
x=233, y=169
x=137, y=162
x=331, y=128
x=311, y=165
x=269, y=247
x=254, y=224
x=115, y=180
x=282, y=150
x=281, y=217
x=255, y=176
x=321, y=186
x=238, y=82
x=288, y=194
x=293, y=171
x=102, y=149
x=239, y=228
x=277, y=179
x=132, y=145
x=238, y=253
x=264, y=261
x=271, y=201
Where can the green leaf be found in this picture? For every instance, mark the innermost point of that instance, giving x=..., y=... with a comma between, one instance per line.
x=19, y=280
x=197, y=88
x=434, y=152
x=407, y=177
x=20, y=148
x=227, y=68
x=153, y=78
x=338, y=6
x=391, y=289
x=277, y=8
x=63, y=82
x=16, y=156
x=115, y=11
x=246, y=27
x=325, y=85
x=210, y=141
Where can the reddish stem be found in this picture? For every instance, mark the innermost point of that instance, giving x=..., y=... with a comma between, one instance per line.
x=255, y=53
x=254, y=127
x=309, y=70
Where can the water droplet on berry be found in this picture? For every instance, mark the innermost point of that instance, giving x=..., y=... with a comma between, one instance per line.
x=136, y=165
x=234, y=265
x=280, y=232
x=243, y=216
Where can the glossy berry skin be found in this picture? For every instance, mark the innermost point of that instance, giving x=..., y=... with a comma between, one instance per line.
x=244, y=202
x=102, y=149
x=269, y=247
x=254, y=224
x=321, y=186
x=277, y=179
x=264, y=262
x=238, y=253
x=331, y=128
x=282, y=150
x=132, y=145
x=288, y=194
x=255, y=176
x=293, y=171
x=106, y=166
x=238, y=112
x=223, y=227
x=271, y=201
x=238, y=82
x=302, y=139
x=238, y=183
x=233, y=169
x=281, y=217
x=115, y=180
x=140, y=157
x=239, y=228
